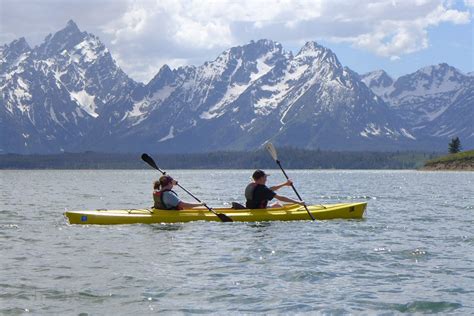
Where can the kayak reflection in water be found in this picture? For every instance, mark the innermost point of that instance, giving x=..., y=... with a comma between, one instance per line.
x=258, y=194
x=167, y=199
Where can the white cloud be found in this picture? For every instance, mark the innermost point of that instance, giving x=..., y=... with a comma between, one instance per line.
x=469, y=3
x=194, y=29
x=142, y=34
x=395, y=34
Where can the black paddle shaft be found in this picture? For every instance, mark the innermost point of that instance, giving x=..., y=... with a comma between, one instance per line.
x=222, y=217
x=152, y=163
x=294, y=189
x=179, y=185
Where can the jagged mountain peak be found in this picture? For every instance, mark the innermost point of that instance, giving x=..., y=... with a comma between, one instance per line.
x=267, y=44
x=19, y=45
x=240, y=64
x=312, y=48
x=72, y=26
x=251, y=50
x=13, y=49
x=65, y=38
x=379, y=73
x=429, y=80
x=438, y=67
x=71, y=29
x=438, y=70
x=13, y=53
x=164, y=76
x=69, y=93
x=318, y=53
x=70, y=45
x=424, y=97
x=165, y=70
x=377, y=79
x=81, y=77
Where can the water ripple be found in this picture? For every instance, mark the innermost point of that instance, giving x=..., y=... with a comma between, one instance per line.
x=411, y=254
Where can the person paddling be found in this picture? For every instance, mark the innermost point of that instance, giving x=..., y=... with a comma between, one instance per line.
x=167, y=199
x=258, y=194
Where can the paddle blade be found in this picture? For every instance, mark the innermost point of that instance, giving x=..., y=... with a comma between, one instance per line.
x=149, y=161
x=271, y=149
x=224, y=218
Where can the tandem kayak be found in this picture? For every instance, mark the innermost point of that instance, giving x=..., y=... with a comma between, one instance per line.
x=290, y=212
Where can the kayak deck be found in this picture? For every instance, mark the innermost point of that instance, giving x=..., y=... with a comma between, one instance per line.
x=290, y=212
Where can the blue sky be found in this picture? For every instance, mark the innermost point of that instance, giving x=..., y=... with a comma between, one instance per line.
x=452, y=44
x=143, y=35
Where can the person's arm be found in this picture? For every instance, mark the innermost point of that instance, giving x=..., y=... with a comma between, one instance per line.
x=173, y=200
x=183, y=205
x=287, y=199
x=279, y=186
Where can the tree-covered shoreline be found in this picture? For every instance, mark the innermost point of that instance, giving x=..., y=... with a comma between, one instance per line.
x=454, y=161
x=291, y=158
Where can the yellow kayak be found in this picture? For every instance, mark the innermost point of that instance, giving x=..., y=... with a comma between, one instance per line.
x=290, y=212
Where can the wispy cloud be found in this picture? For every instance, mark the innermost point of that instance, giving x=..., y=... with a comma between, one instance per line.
x=143, y=34
x=188, y=29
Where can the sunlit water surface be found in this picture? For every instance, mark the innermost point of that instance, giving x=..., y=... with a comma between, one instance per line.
x=413, y=252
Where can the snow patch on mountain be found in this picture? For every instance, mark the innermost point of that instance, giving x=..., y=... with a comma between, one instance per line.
x=90, y=50
x=379, y=82
x=430, y=116
x=142, y=109
x=247, y=126
x=425, y=86
x=407, y=134
x=262, y=67
x=236, y=89
x=71, y=86
x=371, y=129
x=57, y=75
x=86, y=102
x=282, y=87
x=53, y=116
x=445, y=131
x=231, y=95
x=169, y=136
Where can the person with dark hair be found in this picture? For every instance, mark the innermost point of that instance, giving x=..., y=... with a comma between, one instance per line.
x=165, y=198
x=258, y=194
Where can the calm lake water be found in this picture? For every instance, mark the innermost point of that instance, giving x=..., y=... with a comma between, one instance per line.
x=413, y=252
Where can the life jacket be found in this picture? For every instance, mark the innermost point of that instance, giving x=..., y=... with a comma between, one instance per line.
x=159, y=203
x=250, y=196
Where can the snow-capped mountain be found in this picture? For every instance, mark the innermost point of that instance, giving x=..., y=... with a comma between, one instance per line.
x=256, y=92
x=378, y=81
x=435, y=101
x=37, y=112
x=52, y=95
x=69, y=94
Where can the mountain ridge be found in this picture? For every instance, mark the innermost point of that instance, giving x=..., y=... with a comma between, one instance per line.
x=69, y=94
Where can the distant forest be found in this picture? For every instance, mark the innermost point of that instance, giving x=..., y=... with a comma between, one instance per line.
x=290, y=158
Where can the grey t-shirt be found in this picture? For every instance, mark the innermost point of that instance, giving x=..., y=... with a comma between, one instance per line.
x=170, y=199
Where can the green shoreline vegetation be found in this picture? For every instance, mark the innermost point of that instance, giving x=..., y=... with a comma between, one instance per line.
x=293, y=158
x=458, y=161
